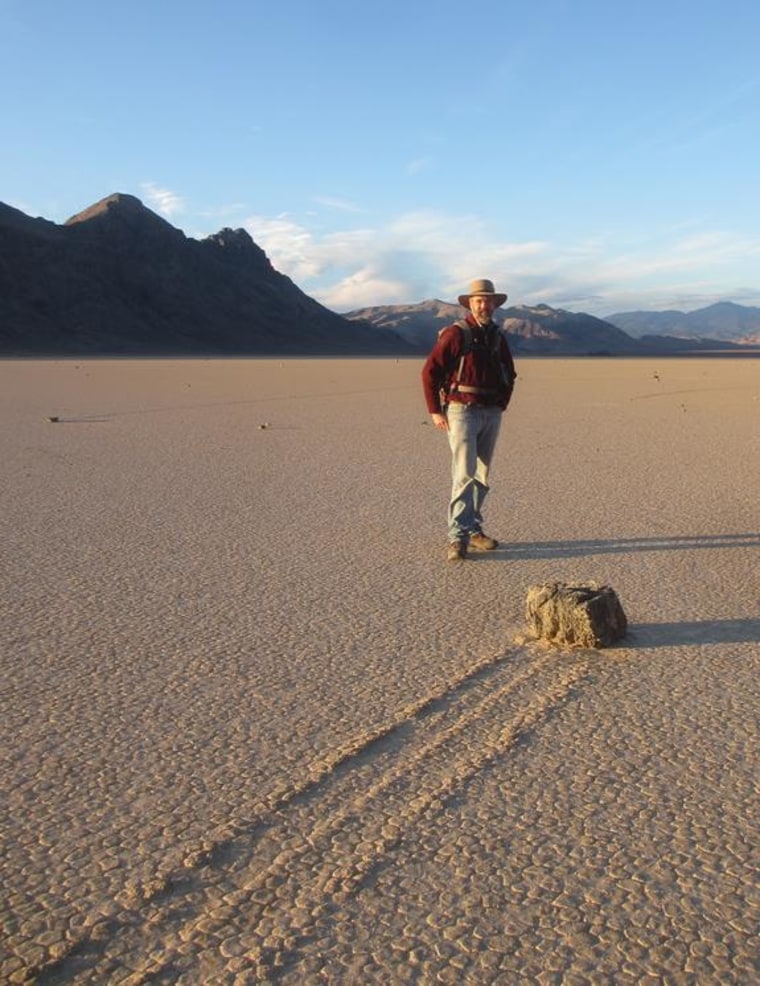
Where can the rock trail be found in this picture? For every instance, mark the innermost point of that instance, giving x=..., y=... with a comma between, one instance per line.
x=252, y=904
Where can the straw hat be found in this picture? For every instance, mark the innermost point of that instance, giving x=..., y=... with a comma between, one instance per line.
x=482, y=286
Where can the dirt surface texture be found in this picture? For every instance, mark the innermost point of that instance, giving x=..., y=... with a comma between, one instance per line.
x=254, y=728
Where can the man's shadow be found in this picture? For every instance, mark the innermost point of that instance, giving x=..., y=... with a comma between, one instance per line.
x=641, y=636
x=534, y=550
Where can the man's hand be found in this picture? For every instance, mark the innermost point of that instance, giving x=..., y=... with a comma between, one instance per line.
x=439, y=420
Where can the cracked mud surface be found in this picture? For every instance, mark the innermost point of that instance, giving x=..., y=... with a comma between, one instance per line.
x=254, y=728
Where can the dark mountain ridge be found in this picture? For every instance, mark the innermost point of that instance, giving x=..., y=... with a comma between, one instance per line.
x=118, y=279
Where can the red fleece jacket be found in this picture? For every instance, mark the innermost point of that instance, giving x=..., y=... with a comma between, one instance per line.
x=480, y=369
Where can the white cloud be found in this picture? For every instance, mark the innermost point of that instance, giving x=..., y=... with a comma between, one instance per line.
x=301, y=254
x=288, y=245
x=417, y=166
x=161, y=199
x=362, y=290
x=223, y=212
x=427, y=254
x=341, y=205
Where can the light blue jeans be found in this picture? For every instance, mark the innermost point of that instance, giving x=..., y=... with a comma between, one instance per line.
x=473, y=431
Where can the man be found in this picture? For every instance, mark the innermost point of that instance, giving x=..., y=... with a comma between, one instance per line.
x=468, y=380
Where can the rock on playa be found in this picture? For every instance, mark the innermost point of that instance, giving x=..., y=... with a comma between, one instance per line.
x=585, y=615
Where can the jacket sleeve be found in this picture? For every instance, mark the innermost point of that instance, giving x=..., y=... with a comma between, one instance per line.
x=435, y=372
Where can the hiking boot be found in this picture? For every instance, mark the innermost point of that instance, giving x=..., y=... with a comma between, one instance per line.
x=482, y=542
x=456, y=551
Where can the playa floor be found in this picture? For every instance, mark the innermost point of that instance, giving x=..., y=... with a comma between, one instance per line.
x=255, y=729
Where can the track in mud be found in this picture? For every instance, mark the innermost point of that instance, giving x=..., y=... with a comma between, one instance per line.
x=257, y=903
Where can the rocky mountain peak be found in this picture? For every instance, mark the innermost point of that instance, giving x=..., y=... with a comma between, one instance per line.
x=238, y=248
x=117, y=203
x=122, y=215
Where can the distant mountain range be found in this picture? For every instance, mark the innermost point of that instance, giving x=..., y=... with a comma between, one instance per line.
x=117, y=279
x=541, y=330
x=537, y=330
x=723, y=321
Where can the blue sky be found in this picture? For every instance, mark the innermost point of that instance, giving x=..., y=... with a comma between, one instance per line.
x=593, y=156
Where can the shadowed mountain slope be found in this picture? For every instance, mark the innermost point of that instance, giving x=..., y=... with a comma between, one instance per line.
x=118, y=279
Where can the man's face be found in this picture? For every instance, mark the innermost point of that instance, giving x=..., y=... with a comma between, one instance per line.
x=482, y=307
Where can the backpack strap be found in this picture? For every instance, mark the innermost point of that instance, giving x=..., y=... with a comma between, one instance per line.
x=453, y=381
x=493, y=346
x=466, y=330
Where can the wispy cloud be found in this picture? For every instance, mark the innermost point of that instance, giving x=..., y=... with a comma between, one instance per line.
x=163, y=200
x=223, y=212
x=363, y=288
x=417, y=166
x=428, y=254
x=341, y=205
x=304, y=255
